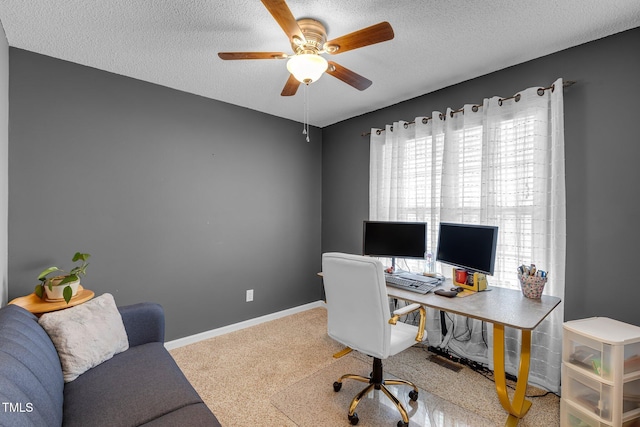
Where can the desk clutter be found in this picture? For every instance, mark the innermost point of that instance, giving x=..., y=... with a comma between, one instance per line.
x=458, y=291
x=532, y=280
x=469, y=280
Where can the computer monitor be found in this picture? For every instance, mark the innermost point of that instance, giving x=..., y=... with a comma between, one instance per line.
x=393, y=239
x=472, y=247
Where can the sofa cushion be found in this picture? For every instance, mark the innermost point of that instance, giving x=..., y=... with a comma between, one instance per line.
x=144, y=322
x=30, y=373
x=86, y=335
x=133, y=388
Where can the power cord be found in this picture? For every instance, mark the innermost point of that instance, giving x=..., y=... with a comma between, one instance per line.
x=481, y=369
x=478, y=367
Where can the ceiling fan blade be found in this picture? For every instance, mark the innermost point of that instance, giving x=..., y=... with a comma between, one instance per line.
x=283, y=16
x=367, y=36
x=349, y=77
x=291, y=87
x=252, y=55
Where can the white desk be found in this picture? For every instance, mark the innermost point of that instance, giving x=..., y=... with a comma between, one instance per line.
x=500, y=307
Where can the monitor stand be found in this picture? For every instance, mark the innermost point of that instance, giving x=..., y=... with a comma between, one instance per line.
x=394, y=269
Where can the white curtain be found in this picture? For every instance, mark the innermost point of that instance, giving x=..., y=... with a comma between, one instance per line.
x=499, y=163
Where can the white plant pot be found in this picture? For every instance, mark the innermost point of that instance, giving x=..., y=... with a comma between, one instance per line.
x=56, y=291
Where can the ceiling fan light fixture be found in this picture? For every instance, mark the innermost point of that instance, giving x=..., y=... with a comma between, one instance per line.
x=307, y=67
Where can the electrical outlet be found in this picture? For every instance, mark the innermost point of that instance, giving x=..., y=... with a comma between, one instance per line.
x=249, y=295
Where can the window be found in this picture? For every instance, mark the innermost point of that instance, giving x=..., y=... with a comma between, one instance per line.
x=501, y=164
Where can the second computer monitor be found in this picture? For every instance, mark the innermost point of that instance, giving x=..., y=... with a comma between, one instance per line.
x=472, y=247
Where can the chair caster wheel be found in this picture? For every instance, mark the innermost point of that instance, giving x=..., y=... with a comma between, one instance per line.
x=402, y=424
x=413, y=395
x=354, y=419
x=337, y=386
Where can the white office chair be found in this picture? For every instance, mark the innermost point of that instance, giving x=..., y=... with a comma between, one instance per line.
x=359, y=317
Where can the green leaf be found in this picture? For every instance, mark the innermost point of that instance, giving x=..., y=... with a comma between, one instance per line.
x=68, y=279
x=47, y=271
x=39, y=291
x=80, y=270
x=67, y=294
x=80, y=256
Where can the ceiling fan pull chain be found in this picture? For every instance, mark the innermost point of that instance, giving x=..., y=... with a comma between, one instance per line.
x=304, y=110
x=307, y=108
x=305, y=124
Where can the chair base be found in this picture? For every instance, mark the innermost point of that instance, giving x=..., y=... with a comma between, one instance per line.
x=376, y=381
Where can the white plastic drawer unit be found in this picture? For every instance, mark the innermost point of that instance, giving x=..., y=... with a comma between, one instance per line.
x=596, y=345
x=575, y=417
x=631, y=399
x=600, y=373
x=592, y=395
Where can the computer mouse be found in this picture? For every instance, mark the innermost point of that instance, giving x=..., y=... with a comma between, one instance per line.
x=448, y=294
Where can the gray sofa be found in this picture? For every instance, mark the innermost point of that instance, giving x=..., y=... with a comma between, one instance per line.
x=140, y=386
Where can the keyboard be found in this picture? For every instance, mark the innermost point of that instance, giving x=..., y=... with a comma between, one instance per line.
x=418, y=284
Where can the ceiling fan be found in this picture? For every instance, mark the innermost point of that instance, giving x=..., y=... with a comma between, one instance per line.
x=308, y=39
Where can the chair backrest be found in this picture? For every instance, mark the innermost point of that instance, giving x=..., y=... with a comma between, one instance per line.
x=357, y=303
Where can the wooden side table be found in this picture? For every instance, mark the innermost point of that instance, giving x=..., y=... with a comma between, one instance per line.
x=39, y=306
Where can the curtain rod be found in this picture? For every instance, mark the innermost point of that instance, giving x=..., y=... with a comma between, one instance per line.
x=475, y=108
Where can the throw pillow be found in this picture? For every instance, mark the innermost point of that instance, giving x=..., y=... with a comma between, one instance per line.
x=86, y=335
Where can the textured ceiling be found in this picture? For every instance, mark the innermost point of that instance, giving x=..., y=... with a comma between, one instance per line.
x=174, y=43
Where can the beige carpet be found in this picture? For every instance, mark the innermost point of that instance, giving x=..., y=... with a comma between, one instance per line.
x=280, y=373
x=312, y=402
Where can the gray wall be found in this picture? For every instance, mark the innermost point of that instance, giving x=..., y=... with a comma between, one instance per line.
x=180, y=199
x=4, y=159
x=169, y=189
x=602, y=172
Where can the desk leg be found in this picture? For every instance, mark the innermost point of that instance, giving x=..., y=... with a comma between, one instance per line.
x=519, y=406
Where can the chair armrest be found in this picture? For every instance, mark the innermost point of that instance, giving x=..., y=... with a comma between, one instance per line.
x=144, y=323
x=402, y=311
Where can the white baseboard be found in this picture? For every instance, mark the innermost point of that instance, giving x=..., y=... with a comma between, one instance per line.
x=191, y=339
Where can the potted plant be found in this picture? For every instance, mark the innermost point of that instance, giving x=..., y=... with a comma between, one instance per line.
x=64, y=285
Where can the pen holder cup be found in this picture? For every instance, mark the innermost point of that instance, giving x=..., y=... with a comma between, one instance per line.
x=532, y=286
